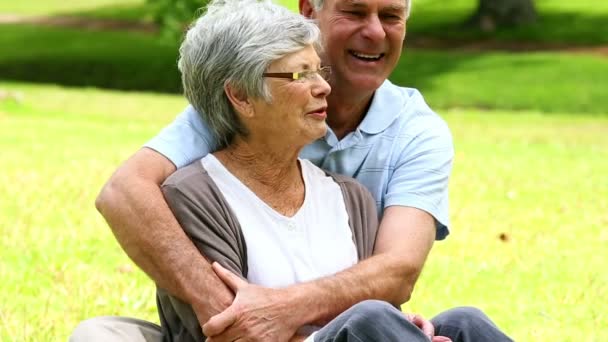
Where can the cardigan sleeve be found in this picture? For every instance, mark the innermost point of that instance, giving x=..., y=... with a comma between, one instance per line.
x=362, y=214
x=206, y=217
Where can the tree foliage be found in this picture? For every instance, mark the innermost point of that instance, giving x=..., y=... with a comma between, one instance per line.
x=173, y=16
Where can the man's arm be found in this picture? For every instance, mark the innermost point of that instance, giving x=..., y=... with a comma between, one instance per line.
x=404, y=240
x=134, y=207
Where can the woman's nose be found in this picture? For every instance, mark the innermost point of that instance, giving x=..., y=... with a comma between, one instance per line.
x=320, y=87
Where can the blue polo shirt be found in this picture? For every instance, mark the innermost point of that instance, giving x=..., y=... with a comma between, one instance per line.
x=402, y=151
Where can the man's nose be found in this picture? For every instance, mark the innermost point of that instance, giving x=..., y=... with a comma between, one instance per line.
x=373, y=29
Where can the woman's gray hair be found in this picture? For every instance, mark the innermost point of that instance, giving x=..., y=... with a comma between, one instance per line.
x=234, y=42
x=318, y=4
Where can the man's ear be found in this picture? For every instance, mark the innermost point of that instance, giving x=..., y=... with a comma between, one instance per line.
x=306, y=9
x=241, y=103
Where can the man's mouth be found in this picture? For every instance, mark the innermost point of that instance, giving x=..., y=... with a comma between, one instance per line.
x=366, y=56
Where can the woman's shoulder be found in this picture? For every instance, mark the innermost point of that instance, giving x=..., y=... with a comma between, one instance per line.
x=192, y=181
x=186, y=175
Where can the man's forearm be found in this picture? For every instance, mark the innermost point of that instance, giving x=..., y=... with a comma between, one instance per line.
x=382, y=277
x=149, y=233
x=404, y=239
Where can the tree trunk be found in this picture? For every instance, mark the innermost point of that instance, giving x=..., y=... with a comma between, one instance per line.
x=491, y=14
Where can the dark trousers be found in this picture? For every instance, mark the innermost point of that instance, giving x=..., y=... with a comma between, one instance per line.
x=374, y=320
x=370, y=320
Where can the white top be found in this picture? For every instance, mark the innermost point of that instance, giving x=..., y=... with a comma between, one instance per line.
x=315, y=242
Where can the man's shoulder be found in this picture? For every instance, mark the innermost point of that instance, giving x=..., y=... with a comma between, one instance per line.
x=414, y=106
x=412, y=115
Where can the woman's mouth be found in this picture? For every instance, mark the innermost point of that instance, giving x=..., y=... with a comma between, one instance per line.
x=320, y=113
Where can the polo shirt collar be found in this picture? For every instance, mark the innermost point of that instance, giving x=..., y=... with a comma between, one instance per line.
x=386, y=106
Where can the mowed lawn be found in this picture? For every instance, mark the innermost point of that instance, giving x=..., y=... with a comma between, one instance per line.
x=529, y=209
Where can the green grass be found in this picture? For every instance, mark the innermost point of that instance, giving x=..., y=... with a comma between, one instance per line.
x=560, y=21
x=59, y=262
x=547, y=82
x=538, y=179
x=54, y=7
x=132, y=10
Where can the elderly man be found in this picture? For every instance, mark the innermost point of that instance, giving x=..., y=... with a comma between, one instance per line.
x=384, y=136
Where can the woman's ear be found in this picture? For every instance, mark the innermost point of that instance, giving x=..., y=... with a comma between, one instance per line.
x=241, y=103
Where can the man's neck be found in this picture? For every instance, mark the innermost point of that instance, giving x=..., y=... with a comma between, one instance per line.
x=345, y=111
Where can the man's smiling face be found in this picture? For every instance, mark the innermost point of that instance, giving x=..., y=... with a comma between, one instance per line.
x=363, y=40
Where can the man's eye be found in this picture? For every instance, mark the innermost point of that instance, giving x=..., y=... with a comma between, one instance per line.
x=355, y=13
x=392, y=17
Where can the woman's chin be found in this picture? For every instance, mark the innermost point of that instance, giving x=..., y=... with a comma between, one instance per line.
x=319, y=131
x=313, y=134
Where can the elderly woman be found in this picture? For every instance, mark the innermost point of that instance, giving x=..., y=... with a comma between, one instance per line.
x=251, y=69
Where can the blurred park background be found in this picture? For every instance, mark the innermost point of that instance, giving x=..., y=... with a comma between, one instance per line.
x=522, y=84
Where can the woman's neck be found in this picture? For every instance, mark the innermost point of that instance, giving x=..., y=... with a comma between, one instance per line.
x=271, y=172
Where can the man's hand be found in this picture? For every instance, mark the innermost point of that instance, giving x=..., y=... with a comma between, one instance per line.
x=257, y=313
x=427, y=327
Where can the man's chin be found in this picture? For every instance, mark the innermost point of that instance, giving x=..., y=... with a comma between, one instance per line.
x=369, y=83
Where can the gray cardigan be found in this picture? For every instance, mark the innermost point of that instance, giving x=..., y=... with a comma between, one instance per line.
x=207, y=219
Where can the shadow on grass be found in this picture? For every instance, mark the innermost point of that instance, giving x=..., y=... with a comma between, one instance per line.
x=117, y=60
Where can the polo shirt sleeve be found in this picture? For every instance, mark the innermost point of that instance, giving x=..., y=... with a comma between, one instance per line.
x=422, y=171
x=185, y=140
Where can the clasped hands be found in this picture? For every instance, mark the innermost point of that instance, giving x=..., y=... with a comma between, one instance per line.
x=263, y=314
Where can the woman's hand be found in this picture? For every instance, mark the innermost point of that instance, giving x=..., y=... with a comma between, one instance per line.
x=426, y=326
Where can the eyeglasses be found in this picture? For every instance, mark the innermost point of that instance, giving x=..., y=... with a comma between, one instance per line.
x=306, y=75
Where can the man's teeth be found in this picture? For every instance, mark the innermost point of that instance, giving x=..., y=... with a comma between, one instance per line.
x=365, y=56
